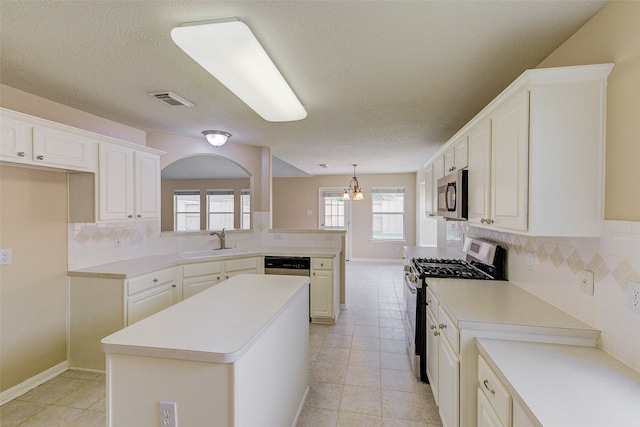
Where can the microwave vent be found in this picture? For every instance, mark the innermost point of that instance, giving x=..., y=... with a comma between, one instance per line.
x=171, y=99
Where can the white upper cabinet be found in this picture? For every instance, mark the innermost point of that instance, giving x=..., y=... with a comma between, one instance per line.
x=128, y=184
x=536, y=154
x=31, y=141
x=455, y=157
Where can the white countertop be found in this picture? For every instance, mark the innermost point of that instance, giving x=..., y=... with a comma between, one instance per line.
x=147, y=264
x=566, y=386
x=217, y=325
x=502, y=306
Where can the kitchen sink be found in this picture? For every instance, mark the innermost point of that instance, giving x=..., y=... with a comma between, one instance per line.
x=213, y=253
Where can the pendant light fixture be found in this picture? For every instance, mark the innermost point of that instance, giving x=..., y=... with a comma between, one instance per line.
x=354, y=188
x=217, y=138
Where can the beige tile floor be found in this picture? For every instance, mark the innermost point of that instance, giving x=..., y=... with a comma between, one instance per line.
x=360, y=373
x=359, y=370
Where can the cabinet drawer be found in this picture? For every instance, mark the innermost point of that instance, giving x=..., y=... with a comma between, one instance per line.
x=202, y=269
x=321, y=264
x=449, y=329
x=494, y=390
x=241, y=264
x=147, y=281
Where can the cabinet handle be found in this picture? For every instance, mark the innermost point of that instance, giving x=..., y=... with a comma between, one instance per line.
x=442, y=326
x=155, y=280
x=129, y=216
x=436, y=333
x=20, y=153
x=482, y=220
x=486, y=385
x=432, y=327
x=41, y=157
x=139, y=216
x=218, y=278
x=173, y=286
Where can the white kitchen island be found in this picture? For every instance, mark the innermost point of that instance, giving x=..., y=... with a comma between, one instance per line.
x=233, y=355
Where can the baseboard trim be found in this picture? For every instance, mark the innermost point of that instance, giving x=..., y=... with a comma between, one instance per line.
x=33, y=382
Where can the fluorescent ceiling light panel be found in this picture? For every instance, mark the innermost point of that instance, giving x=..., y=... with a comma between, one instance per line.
x=231, y=53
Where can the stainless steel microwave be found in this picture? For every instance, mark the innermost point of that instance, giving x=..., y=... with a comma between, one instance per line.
x=452, y=195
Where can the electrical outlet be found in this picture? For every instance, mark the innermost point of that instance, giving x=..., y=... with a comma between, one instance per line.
x=168, y=417
x=531, y=260
x=117, y=242
x=6, y=256
x=137, y=239
x=586, y=282
x=633, y=296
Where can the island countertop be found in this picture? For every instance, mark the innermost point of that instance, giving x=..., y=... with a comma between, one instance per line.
x=218, y=325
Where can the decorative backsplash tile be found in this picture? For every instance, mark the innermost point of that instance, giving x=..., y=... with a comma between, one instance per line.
x=613, y=258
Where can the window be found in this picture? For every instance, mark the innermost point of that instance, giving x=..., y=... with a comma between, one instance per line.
x=186, y=205
x=220, y=210
x=245, y=209
x=334, y=209
x=388, y=213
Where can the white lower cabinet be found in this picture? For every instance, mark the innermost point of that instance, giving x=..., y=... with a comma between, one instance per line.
x=487, y=416
x=432, y=344
x=100, y=306
x=198, y=277
x=325, y=292
x=242, y=266
x=448, y=383
x=494, y=393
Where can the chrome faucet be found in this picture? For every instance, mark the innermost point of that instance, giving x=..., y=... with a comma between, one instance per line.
x=221, y=236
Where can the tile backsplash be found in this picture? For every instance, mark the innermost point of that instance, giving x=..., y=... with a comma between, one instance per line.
x=95, y=244
x=556, y=273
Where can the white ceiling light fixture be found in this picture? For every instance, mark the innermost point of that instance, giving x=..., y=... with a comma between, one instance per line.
x=354, y=188
x=217, y=138
x=228, y=50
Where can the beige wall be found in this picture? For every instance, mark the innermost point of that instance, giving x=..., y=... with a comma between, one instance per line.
x=169, y=186
x=33, y=222
x=613, y=35
x=26, y=103
x=293, y=197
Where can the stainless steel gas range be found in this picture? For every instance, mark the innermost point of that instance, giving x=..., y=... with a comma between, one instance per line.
x=483, y=261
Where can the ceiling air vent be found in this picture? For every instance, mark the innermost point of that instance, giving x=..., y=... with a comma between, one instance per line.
x=171, y=99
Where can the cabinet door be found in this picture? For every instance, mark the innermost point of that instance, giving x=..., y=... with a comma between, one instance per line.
x=194, y=285
x=147, y=185
x=479, y=170
x=62, y=149
x=429, y=208
x=461, y=151
x=432, y=352
x=15, y=140
x=509, y=162
x=487, y=416
x=449, y=160
x=448, y=384
x=321, y=294
x=115, y=183
x=151, y=302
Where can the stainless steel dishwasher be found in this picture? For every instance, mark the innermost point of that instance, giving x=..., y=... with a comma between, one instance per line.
x=289, y=266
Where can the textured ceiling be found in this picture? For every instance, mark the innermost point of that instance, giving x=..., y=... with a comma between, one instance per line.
x=385, y=83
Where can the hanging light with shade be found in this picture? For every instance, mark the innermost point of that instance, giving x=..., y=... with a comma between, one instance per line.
x=354, y=188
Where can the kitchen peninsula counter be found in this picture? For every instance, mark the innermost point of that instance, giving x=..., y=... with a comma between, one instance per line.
x=215, y=355
x=142, y=265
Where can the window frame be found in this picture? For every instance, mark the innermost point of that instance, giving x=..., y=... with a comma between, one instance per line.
x=208, y=212
x=402, y=214
x=177, y=215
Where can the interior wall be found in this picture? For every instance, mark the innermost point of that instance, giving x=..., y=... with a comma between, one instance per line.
x=291, y=212
x=33, y=223
x=613, y=35
x=171, y=185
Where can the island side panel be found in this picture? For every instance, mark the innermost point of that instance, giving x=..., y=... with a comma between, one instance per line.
x=272, y=378
x=136, y=385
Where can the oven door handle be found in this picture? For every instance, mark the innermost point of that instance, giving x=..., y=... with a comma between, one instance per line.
x=411, y=287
